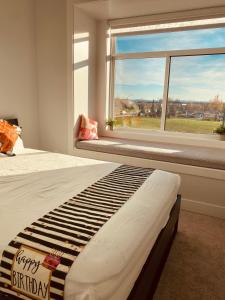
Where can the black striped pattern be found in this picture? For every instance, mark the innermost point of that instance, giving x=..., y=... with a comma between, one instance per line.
x=70, y=227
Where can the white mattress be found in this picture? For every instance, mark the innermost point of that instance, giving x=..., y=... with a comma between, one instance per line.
x=35, y=182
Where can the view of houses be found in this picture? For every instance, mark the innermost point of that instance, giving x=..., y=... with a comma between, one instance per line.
x=212, y=110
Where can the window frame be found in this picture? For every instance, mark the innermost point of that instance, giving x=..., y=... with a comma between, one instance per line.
x=157, y=54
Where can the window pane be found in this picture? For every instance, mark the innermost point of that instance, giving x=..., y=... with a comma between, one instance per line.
x=196, y=93
x=138, y=92
x=167, y=41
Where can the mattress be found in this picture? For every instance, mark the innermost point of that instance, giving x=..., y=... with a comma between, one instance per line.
x=35, y=182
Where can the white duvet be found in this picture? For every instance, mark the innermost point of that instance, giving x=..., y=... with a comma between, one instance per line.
x=35, y=182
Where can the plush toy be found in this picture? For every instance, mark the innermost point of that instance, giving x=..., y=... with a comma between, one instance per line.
x=8, y=137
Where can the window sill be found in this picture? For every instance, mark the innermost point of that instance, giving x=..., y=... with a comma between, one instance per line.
x=192, y=156
x=204, y=140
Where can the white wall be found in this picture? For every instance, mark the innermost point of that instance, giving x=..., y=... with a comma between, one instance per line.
x=84, y=58
x=18, y=92
x=51, y=34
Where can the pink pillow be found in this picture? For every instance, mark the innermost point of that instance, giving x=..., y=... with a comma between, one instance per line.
x=88, y=129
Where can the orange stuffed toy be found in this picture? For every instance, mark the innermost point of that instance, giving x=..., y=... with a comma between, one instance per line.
x=8, y=136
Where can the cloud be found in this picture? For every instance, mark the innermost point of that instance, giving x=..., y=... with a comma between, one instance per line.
x=139, y=92
x=192, y=77
x=197, y=77
x=180, y=40
x=140, y=71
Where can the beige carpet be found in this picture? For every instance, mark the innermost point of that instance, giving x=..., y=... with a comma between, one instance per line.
x=195, y=269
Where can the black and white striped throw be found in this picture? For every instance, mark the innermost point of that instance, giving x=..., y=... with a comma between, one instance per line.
x=62, y=234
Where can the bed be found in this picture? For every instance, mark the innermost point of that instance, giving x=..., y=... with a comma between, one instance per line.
x=129, y=251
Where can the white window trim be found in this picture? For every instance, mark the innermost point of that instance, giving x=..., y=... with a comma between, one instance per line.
x=111, y=79
x=165, y=93
x=149, y=135
x=157, y=54
x=161, y=30
x=171, y=53
x=178, y=16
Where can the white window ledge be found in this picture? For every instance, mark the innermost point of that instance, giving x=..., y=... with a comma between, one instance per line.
x=147, y=135
x=166, y=152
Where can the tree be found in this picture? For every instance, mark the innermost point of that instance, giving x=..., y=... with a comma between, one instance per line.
x=216, y=104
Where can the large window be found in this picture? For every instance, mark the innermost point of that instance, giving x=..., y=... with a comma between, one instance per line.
x=172, y=80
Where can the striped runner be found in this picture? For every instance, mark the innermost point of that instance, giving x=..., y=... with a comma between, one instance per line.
x=66, y=230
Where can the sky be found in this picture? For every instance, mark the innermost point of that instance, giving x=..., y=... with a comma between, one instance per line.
x=196, y=78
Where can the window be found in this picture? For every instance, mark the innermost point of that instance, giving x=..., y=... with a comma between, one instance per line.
x=196, y=90
x=169, y=80
x=130, y=84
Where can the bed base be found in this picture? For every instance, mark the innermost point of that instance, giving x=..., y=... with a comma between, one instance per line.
x=148, y=279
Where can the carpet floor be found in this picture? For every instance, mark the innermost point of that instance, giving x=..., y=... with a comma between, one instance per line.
x=195, y=269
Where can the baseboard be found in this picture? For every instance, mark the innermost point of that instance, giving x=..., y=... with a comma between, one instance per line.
x=203, y=208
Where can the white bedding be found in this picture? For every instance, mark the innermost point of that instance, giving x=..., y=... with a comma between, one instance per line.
x=35, y=182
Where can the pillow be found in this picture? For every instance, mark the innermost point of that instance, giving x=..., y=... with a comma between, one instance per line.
x=8, y=137
x=88, y=129
x=18, y=129
x=18, y=147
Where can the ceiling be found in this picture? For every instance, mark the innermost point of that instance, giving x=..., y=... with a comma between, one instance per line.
x=116, y=9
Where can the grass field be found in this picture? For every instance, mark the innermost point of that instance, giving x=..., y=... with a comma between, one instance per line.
x=172, y=124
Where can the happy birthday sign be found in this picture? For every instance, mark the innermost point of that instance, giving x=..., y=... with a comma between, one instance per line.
x=29, y=274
